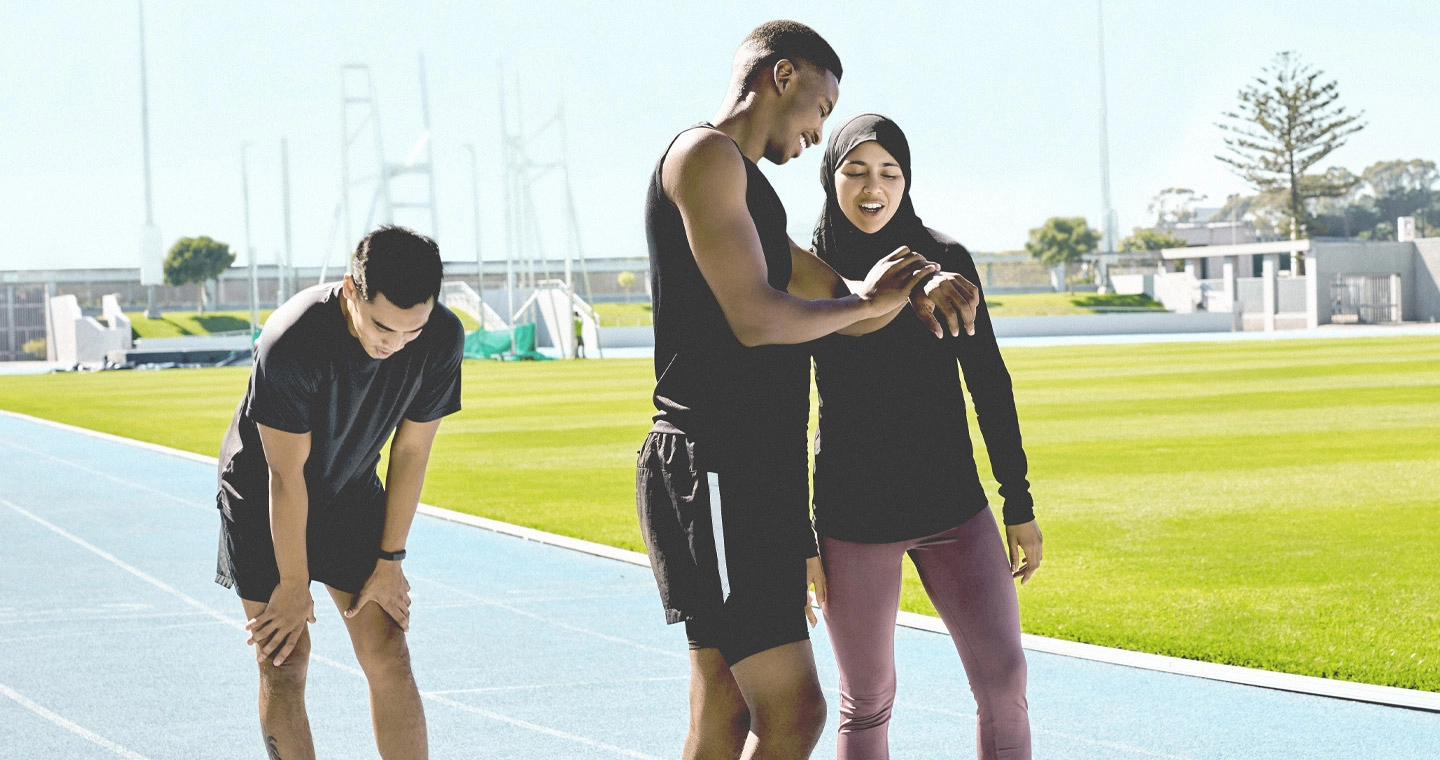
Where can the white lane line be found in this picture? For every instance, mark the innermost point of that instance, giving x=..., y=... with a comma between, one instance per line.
x=107, y=632
x=68, y=725
x=318, y=658
x=543, y=729
x=116, y=561
x=98, y=473
x=569, y=685
x=1388, y=696
x=548, y=621
x=1068, y=737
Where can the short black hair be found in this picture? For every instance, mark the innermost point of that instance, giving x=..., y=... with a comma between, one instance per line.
x=775, y=40
x=399, y=262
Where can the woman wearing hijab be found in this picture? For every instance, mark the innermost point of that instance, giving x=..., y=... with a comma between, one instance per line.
x=898, y=478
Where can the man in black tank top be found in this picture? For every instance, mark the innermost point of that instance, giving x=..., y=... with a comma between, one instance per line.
x=722, y=489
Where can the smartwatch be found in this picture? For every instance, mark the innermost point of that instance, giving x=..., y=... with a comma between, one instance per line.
x=392, y=556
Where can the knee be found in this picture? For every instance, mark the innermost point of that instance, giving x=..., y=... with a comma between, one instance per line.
x=1004, y=683
x=287, y=678
x=385, y=657
x=865, y=711
x=802, y=717
x=718, y=717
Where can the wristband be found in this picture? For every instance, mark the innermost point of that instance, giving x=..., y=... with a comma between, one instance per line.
x=392, y=556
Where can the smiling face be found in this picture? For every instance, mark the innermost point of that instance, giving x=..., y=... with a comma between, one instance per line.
x=806, y=98
x=869, y=186
x=382, y=327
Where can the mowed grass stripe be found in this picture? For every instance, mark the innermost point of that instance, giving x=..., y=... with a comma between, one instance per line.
x=1267, y=504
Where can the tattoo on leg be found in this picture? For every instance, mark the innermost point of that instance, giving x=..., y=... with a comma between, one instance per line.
x=271, y=750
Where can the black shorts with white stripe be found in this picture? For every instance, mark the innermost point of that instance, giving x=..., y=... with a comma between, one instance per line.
x=719, y=546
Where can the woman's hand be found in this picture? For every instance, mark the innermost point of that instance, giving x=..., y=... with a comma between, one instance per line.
x=955, y=297
x=893, y=278
x=814, y=576
x=1025, y=538
x=276, y=631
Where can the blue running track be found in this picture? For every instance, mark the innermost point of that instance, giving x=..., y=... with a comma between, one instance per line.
x=115, y=642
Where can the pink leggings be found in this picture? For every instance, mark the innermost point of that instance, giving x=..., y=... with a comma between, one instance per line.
x=967, y=576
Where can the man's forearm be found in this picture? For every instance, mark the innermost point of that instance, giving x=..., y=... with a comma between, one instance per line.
x=404, y=479
x=289, y=516
x=776, y=318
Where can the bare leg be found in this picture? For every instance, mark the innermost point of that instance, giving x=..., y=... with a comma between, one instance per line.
x=283, y=721
x=395, y=708
x=787, y=709
x=719, y=719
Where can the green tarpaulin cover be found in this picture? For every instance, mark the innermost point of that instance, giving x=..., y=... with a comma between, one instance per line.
x=488, y=344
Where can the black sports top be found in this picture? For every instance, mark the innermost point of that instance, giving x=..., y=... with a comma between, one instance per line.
x=312, y=376
x=893, y=458
x=738, y=406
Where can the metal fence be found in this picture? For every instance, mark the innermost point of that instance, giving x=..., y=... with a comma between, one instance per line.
x=22, y=322
x=1365, y=298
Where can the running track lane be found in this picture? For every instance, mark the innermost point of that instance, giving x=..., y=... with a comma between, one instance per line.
x=117, y=644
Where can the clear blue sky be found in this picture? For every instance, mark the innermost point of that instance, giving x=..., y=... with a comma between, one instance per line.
x=999, y=100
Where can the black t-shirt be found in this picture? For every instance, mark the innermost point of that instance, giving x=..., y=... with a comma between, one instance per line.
x=739, y=406
x=893, y=457
x=312, y=376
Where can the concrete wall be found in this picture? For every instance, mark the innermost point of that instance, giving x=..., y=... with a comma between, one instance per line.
x=1427, y=280
x=1327, y=259
x=79, y=339
x=627, y=337
x=1140, y=323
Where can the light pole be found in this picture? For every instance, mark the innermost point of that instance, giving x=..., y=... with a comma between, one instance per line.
x=287, y=270
x=150, y=267
x=479, y=261
x=249, y=250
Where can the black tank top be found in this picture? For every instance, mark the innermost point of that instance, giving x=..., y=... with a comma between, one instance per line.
x=740, y=407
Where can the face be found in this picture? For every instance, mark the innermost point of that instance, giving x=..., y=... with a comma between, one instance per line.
x=807, y=96
x=382, y=327
x=869, y=186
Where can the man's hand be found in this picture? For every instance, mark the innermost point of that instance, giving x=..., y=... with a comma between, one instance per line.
x=955, y=297
x=388, y=588
x=277, y=630
x=814, y=576
x=892, y=278
x=1024, y=537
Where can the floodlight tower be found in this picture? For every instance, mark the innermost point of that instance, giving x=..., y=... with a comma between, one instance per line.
x=358, y=102
x=523, y=229
x=151, y=269
x=249, y=249
x=1107, y=220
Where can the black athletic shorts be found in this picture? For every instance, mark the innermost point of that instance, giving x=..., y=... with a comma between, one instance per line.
x=722, y=560
x=342, y=544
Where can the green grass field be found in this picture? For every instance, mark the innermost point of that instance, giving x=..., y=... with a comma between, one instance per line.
x=173, y=324
x=1267, y=504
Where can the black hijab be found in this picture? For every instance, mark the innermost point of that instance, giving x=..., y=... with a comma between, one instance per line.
x=838, y=242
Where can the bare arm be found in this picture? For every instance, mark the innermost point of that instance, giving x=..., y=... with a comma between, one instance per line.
x=812, y=279
x=409, y=455
x=704, y=176
x=404, y=478
x=276, y=631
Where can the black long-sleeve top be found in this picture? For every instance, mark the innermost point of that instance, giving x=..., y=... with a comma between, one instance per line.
x=893, y=456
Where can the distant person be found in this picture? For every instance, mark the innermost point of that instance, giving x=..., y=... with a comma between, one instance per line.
x=722, y=491
x=338, y=368
x=579, y=336
x=893, y=476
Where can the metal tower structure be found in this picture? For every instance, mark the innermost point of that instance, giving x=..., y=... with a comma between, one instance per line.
x=374, y=176
x=524, y=241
